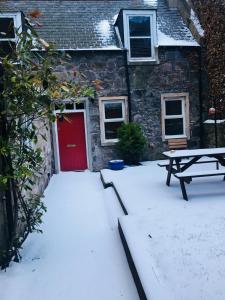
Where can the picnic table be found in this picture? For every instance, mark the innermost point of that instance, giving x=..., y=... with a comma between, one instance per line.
x=181, y=160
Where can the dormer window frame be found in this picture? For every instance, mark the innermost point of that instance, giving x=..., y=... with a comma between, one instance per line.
x=153, y=34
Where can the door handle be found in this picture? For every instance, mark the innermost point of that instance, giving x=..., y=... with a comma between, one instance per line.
x=71, y=145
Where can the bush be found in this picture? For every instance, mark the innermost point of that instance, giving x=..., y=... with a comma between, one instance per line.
x=131, y=143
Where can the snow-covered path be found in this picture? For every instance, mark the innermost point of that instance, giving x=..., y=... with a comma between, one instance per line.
x=79, y=255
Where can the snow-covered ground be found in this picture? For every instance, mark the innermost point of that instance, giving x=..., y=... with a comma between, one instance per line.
x=179, y=244
x=79, y=255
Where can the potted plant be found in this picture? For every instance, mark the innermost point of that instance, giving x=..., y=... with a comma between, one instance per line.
x=131, y=143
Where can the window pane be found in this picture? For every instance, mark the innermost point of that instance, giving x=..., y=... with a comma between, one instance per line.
x=174, y=126
x=140, y=47
x=80, y=105
x=113, y=110
x=174, y=107
x=69, y=106
x=111, y=130
x=7, y=27
x=6, y=48
x=139, y=26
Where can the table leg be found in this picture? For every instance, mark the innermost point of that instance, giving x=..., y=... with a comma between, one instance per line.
x=183, y=189
x=178, y=164
x=220, y=159
x=169, y=172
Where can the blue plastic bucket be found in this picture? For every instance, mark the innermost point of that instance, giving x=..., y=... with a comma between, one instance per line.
x=117, y=164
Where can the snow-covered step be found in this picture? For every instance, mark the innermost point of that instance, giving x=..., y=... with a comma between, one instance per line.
x=107, y=183
x=148, y=280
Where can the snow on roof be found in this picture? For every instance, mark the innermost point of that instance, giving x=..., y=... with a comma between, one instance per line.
x=89, y=24
x=167, y=40
x=151, y=2
x=103, y=29
x=196, y=22
x=115, y=18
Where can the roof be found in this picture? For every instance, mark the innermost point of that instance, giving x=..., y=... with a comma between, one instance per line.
x=89, y=24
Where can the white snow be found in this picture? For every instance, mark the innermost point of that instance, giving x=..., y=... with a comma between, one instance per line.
x=145, y=265
x=105, y=47
x=199, y=173
x=178, y=247
x=79, y=256
x=151, y=2
x=103, y=29
x=196, y=23
x=115, y=18
x=209, y=121
x=166, y=40
x=194, y=152
x=186, y=246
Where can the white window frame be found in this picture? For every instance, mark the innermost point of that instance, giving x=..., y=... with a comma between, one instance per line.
x=17, y=24
x=103, y=120
x=184, y=97
x=140, y=13
x=74, y=108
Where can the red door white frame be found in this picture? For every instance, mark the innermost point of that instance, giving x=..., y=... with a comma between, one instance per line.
x=56, y=141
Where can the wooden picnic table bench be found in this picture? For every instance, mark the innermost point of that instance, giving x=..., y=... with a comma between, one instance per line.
x=181, y=160
x=177, y=163
x=186, y=177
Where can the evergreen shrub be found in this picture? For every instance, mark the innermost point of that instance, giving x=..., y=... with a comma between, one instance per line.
x=131, y=143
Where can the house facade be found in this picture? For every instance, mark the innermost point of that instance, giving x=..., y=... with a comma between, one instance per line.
x=147, y=62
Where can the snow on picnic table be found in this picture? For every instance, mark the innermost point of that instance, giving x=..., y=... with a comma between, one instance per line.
x=185, y=240
x=79, y=255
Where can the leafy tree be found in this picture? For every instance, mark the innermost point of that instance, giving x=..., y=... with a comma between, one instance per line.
x=212, y=17
x=29, y=90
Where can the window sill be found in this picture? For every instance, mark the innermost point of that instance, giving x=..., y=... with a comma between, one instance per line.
x=166, y=138
x=143, y=62
x=109, y=143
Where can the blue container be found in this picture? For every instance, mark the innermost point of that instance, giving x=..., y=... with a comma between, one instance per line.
x=117, y=164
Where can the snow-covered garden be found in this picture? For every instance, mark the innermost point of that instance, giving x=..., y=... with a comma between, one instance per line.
x=79, y=255
x=177, y=246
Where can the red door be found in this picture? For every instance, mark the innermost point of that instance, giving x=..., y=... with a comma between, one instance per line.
x=72, y=145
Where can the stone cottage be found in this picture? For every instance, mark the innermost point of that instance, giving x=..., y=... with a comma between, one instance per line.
x=147, y=60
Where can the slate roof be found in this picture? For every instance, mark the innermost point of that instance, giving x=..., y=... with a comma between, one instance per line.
x=89, y=24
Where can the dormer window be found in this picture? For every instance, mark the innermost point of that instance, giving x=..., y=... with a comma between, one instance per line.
x=9, y=23
x=140, y=34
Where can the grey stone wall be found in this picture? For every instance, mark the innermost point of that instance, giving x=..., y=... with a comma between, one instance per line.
x=42, y=179
x=176, y=72
x=110, y=69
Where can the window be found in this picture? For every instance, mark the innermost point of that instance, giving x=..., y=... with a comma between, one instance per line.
x=175, y=115
x=140, y=34
x=113, y=113
x=9, y=22
x=65, y=106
